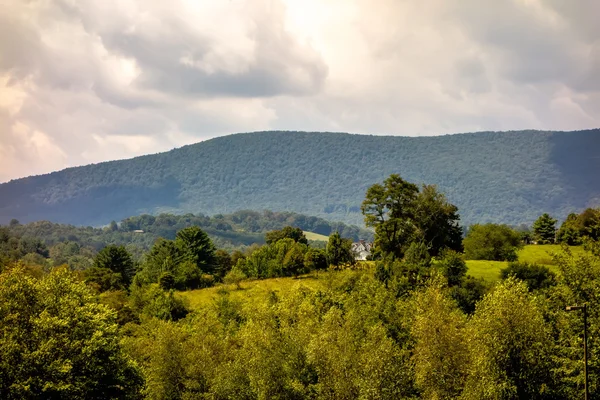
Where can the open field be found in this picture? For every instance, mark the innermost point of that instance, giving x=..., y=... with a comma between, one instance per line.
x=316, y=236
x=537, y=254
x=254, y=289
x=488, y=270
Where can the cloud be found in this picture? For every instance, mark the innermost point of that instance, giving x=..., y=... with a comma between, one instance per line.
x=90, y=80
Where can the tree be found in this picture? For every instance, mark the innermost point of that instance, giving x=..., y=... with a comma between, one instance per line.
x=544, y=229
x=441, y=354
x=401, y=214
x=56, y=341
x=197, y=247
x=570, y=231
x=339, y=250
x=437, y=221
x=287, y=232
x=315, y=259
x=492, y=242
x=389, y=208
x=510, y=345
x=223, y=262
x=114, y=260
x=535, y=276
x=453, y=267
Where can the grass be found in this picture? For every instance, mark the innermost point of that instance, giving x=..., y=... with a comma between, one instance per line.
x=253, y=289
x=316, y=236
x=535, y=254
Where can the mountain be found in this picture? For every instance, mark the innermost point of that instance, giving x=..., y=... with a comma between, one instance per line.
x=509, y=177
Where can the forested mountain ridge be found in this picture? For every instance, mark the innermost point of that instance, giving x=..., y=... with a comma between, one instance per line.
x=508, y=177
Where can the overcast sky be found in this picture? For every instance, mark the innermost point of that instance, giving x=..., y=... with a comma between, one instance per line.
x=83, y=81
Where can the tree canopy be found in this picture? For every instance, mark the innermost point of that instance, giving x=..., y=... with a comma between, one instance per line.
x=402, y=214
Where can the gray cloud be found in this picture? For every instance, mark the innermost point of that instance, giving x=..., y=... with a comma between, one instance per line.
x=90, y=80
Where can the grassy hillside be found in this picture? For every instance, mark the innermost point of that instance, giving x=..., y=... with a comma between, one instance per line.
x=316, y=237
x=509, y=177
x=259, y=289
x=490, y=270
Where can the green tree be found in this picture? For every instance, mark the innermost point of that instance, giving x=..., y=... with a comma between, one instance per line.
x=510, y=345
x=535, y=276
x=401, y=214
x=339, y=250
x=223, y=262
x=453, y=267
x=113, y=268
x=56, y=341
x=544, y=229
x=441, y=354
x=390, y=208
x=315, y=259
x=570, y=231
x=287, y=232
x=492, y=242
x=197, y=247
x=437, y=221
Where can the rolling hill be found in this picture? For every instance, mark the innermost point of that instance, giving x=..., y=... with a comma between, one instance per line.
x=509, y=177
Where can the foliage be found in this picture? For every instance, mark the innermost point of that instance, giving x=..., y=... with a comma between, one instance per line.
x=511, y=346
x=195, y=246
x=569, y=232
x=339, y=251
x=535, y=276
x=57, y=342
x=492, y=242
x=544, y=229
x=453, y=267
x=117, y=260
x=441, y=354
x=287, y=232
x=401, y=215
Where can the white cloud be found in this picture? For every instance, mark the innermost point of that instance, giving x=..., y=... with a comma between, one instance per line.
x=90, y=80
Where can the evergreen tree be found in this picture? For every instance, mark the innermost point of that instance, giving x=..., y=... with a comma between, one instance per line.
x=544, y=229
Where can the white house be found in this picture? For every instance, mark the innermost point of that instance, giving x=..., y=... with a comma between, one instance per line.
x=361, y=250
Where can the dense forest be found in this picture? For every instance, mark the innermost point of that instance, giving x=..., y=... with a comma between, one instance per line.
x=181, y=320
x=508, y=177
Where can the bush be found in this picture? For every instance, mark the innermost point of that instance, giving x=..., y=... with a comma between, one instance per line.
x=535, y=276
x=234, y=277
x=492, y=242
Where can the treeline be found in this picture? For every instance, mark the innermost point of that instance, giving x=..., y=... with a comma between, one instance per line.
x=76, y=246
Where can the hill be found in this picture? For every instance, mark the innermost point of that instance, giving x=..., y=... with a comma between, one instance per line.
x=231, y=231
x=509, y=177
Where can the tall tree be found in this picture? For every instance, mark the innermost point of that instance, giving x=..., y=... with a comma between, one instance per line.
x=339, y=250
x=402, y=214
x=544, y=229
x=118, y=260
x=570, y=231
x=389, y=208
x=197, y=247
x=511, y=346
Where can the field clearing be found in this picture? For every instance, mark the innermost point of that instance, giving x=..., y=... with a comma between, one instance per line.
x=254, y=289
x=536, y=254
x=316, y=236
x=258, y=289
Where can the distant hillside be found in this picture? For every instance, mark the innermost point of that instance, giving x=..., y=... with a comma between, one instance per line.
x=237, y=230
x=509, y=177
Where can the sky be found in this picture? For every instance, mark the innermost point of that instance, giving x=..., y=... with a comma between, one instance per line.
x=84, y=81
